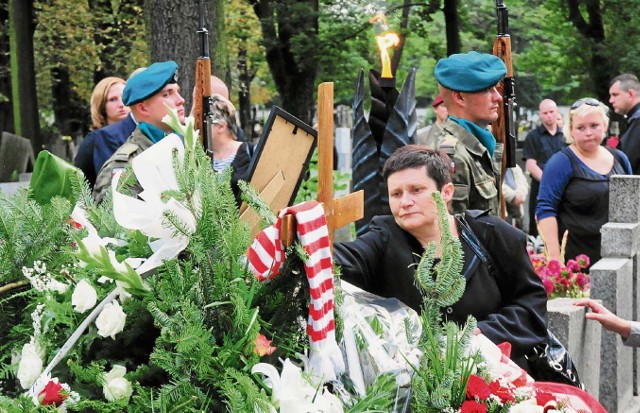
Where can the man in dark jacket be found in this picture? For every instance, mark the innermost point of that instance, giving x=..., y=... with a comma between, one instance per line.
x=624, y=96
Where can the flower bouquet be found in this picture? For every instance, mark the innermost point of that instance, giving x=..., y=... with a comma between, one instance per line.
x=560, y=279
x=563, y=280
x=151, y=302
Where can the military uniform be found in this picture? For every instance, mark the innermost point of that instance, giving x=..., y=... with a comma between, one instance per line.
x=132, y=147
x=476, y=176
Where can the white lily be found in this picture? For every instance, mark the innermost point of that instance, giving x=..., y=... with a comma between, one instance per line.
x=292, y=392
x=154, y=171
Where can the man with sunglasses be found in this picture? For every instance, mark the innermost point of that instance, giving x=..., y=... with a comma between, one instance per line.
x=624, y=96
x=467, y=83
x=541, y=143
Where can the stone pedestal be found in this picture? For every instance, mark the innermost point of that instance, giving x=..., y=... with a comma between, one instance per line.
x=624, y=199
x=581, y=337
x=611, y=282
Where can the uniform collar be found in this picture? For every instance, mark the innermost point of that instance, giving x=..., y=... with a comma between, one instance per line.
x=483, y=136
x=465, y=137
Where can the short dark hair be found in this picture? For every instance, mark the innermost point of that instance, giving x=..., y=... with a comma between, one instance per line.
x=437, y=163
x=627, y=82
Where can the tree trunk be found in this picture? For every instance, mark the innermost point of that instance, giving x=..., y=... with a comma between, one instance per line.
x=69, y=109
x=602, y=68
x=6, y=111
x=172, y=28
x=293, y=69
x=452, y=23
x=23, y=81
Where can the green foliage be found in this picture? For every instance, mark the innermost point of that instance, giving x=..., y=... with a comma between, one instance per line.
x=440, y=379
x=30, y=232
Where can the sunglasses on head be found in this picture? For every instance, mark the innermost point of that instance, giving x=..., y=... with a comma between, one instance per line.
x=585, y=101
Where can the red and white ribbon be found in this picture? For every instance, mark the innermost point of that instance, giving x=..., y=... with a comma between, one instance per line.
x=267, y=254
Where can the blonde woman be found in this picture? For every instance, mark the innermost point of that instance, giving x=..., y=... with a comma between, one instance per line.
x=109, y=120
x=225, y=150
x=574, y=192
x=106, y=102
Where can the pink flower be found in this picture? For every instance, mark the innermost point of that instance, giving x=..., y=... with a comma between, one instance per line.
x=554, y=267
x=263, y=346
x=548, y=285
x=573, y=266
x=582, y=279
x=583, y=260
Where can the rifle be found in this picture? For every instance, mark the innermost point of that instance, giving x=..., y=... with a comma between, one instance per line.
x=504, y=128
x=202, y=91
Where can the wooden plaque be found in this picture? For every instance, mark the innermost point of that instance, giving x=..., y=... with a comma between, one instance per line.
x=280, y=162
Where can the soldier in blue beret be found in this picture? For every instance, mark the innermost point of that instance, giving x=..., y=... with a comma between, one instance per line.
x=146, y=93
x=467, y=83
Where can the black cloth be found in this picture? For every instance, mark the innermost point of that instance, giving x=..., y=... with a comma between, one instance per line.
x=510, y=308
x=84, y=158
x=584, y=207
x=630, y=140
x=540, y=145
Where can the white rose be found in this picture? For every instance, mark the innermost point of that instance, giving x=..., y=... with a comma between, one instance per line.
x=115, y=386
x=30, y=366
x=111, y=320
x=84, y=297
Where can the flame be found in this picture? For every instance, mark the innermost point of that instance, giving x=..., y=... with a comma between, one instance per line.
x=385, y=40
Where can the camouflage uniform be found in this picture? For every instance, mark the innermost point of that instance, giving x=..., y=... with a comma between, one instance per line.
x=476, y=176
x=428, y=135
x=132, y=147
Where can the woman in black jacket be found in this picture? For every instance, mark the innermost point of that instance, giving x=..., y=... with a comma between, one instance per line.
x=503, y=292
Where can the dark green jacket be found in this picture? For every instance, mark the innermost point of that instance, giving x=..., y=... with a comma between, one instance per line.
x=476, y=176
x=132, y=147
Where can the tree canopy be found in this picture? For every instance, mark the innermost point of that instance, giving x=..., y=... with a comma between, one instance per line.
x=277, y=51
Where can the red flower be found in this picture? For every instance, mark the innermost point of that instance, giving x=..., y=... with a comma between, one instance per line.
x=53, y=393
x=543, y=398
x=472, y=406
x=74, y=224
x=477, y=387
x=263, y=346
x=504, y=393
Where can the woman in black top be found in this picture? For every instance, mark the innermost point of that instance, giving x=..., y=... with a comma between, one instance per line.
x=503, y=292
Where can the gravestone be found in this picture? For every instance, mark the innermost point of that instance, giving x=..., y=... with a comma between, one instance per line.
x=16, y=156
x=611, y=282
x=581, y=338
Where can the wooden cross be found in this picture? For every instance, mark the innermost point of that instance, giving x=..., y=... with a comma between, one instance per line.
x=340, y=211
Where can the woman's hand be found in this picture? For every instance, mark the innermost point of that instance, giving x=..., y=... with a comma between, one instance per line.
x=608, y=320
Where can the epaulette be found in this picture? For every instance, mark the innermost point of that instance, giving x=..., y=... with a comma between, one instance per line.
x=448, y=144
x=124, y=152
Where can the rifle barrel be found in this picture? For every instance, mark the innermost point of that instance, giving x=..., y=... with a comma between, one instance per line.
x=503, y=18
x=202, y=30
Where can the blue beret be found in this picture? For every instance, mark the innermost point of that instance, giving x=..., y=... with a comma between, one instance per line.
x=470, y=72
x=149, y=82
